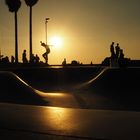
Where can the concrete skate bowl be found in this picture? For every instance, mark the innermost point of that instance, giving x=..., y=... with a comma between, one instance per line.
x=57, y=79
x=121, y=85
x=15, y=90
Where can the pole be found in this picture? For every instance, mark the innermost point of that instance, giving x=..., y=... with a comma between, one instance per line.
x=16, y=39
x=30, y=34
x=46, y=21
x=0, y=55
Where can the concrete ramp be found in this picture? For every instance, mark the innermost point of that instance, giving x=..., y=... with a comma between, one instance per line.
x=121, y=85
x=15, y=90
x=116, y=81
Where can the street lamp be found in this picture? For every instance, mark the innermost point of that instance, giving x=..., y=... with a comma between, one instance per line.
x=0, y=55
x=45, y=55
x=46, y=21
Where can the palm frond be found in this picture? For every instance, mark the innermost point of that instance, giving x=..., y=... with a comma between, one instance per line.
x=13, y=5
x=31, y=2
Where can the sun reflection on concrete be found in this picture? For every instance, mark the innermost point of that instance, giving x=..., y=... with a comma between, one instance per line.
x=58, y=119
x=60, y=99
x=55, y=94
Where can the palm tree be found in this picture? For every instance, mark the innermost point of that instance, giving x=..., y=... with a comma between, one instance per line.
x=14, y=6
x=30, y=3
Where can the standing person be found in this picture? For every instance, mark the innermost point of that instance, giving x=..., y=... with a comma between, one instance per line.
x=12, y=59
x=112, y=58
x=45, y=55
x=37, y=58
x=24, y=58
x=117, y=48
x=121, y=58
x=64, y=62
x=32, y=58
x=112, y=50
x=121, y=54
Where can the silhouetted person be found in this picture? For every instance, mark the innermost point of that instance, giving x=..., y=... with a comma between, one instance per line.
x=117, y=48
x=32, y=58
x=24, y=58
x=64, y=62
x=37, y=59
x=45, y=55
x=12, y=59
x=121, y=54
x=112, y=50
x=121, y=58
x=5, y=59
x=0, y=55
x=113, y=60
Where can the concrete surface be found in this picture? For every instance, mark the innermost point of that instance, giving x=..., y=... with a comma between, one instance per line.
x=36, y=122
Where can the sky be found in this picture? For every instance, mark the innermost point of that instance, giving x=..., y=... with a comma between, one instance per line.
x=86, y=28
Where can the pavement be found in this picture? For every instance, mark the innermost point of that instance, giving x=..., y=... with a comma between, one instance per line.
x=40, y=122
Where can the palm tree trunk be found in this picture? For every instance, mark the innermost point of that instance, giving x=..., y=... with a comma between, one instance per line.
x=30, y=33
x=16, y=39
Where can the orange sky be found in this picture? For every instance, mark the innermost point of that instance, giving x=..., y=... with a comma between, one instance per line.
x=87, y=28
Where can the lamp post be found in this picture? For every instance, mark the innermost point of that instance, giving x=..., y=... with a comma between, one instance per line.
x=46, y=21
x=0, y=54
x=45, y=55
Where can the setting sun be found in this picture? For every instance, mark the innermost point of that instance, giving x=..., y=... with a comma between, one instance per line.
x=56, y=41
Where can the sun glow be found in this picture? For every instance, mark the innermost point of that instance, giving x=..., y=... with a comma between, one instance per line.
x=56, y=41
